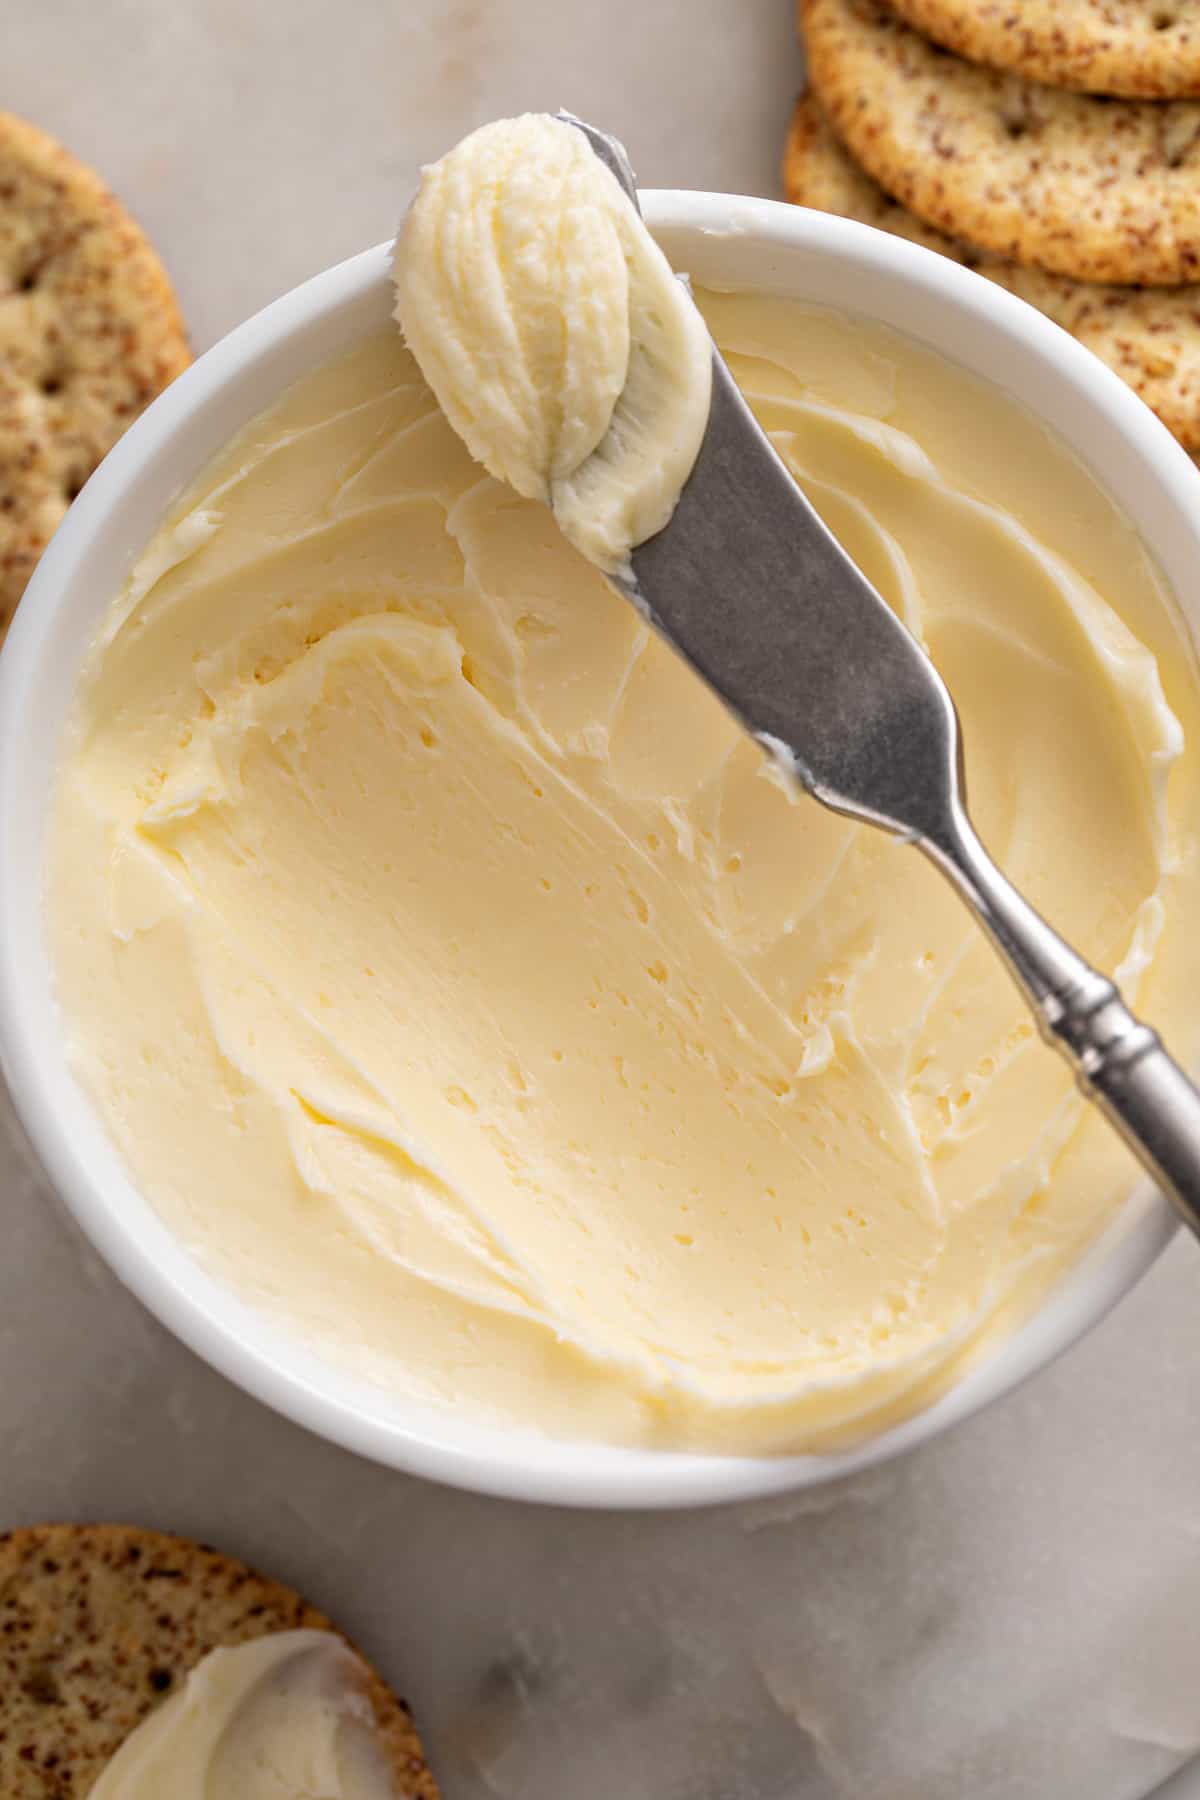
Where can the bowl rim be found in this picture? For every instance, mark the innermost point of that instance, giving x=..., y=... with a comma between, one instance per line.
x=62, y=1124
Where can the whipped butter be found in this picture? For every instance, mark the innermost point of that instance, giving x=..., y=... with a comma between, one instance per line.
x=463, y=990
x=286, y=1717
x=556, y=337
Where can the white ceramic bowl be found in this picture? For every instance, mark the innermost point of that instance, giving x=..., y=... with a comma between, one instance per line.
x=722, y=241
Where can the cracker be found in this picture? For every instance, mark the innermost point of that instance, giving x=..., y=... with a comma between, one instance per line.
x=1149, y=336
x=1102, y=190
x=99, y=1622
x=1142, y=49
x=89, y=333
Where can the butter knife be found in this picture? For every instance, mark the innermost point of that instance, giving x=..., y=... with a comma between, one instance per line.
x=751, y=587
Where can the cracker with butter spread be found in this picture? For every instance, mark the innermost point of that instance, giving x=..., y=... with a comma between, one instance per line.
x=1100, y=190
x=90, y=332
x=1149, y=336
x=99, y=1623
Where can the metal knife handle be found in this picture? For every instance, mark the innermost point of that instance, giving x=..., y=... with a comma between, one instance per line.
x=1119, y=1063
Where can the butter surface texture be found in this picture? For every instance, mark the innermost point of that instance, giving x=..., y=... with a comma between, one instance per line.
x=472, y=996
x=285, y=1717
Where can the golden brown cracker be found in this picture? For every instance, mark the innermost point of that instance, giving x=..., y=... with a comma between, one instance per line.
x=90, y=332
x=1101, y=190
x=1141, y=49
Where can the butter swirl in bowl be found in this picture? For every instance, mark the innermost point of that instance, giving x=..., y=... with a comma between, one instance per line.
x=471, y=1047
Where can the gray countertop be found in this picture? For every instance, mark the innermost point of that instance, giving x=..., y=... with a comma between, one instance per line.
x=1006, y=1615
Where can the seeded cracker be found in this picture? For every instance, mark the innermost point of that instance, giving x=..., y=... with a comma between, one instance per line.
x=98, y=1623
x=89, y=333
x=1101, y=190
x=1143, y=49
x=1150, y=336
